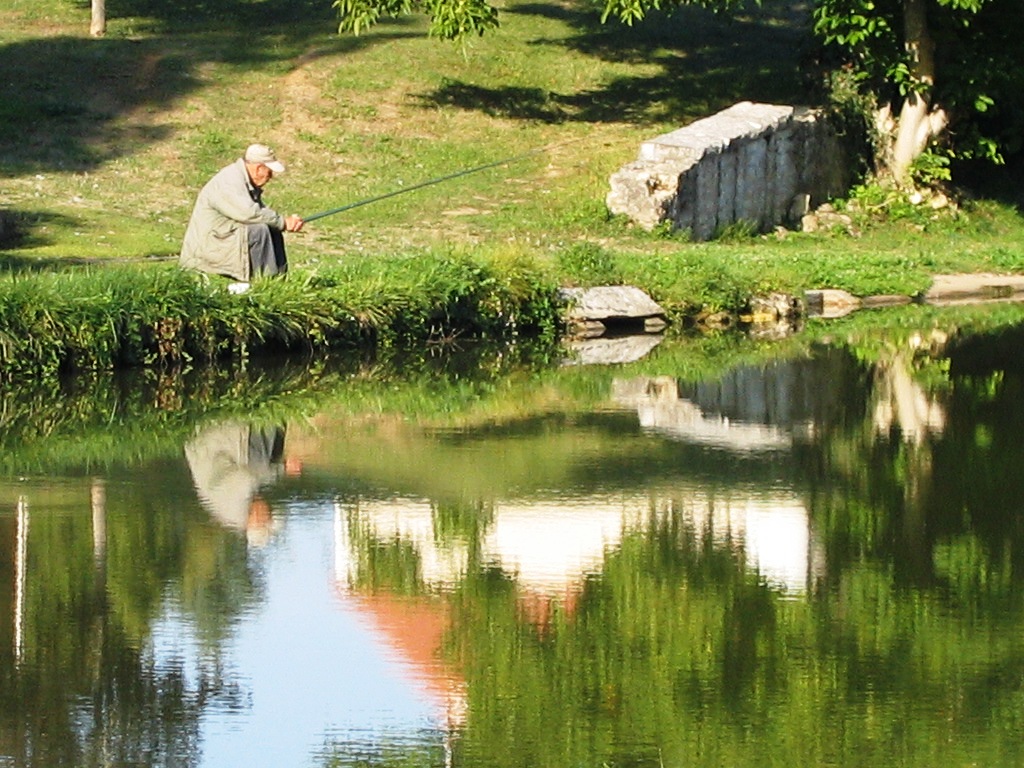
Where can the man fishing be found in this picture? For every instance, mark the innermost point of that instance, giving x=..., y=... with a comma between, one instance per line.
x=231, y=231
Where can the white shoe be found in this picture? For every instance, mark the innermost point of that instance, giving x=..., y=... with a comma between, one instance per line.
x=237, y=288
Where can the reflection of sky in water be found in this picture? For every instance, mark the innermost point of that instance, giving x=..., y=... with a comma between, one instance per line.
x=310, y=671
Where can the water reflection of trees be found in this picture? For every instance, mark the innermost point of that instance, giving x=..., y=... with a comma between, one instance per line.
x=675, y=654
x=82, y=685
x=926, y=466
x=676, y=651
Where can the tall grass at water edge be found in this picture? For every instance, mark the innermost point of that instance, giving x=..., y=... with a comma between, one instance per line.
x=114, y=317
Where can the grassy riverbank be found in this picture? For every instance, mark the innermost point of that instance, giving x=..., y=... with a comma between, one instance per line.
x=104, y=144
x=98, y=319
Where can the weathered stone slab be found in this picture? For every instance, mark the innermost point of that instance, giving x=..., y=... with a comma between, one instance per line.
x=750, y=162
x=744, y=120
x=945, y=290
x=728, y=175
x=606, y=302
x=595, y=312
x=830, y=303
x=655, y=324
x=705, y=217
x=588, y=329
x=882, y=301
x=751, y=176
x=651, y=192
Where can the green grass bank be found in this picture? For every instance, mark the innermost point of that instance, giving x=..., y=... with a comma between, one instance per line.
x=109, y=318
x=105, y=142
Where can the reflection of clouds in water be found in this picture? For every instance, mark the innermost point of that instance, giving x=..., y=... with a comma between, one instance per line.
x=774, y=531
x=546, y=546
x=551, y=546
x=409, y=520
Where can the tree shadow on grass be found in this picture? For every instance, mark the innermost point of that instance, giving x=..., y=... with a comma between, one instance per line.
x=74, y=103
x=707, y=62
x=1002, y=183
x=65, y=95
x=24, y=229
x=287, y=17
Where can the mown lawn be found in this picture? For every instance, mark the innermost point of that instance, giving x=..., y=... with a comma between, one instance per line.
x=104, y=143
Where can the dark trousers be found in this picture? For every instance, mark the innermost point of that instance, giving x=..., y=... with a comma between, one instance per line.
x=266, y=250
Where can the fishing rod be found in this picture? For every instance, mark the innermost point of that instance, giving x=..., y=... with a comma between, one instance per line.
x=428, y=183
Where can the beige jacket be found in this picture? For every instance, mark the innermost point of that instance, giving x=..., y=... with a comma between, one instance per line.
x=216, y=240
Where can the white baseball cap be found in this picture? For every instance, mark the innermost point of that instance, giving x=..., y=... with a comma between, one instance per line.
x=261, y=154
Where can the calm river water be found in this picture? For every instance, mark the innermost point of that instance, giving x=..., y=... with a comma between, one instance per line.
x=729, y=553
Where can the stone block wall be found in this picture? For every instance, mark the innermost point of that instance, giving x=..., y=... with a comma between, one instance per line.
x=762, y=164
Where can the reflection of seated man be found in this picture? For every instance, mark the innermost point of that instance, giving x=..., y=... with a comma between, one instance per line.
x=230, y=463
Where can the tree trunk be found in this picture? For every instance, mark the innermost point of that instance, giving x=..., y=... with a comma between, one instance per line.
x=98, y=25
x=917, y=122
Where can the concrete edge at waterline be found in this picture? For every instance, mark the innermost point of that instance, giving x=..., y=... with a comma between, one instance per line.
x=612, y=310
x=945, y=290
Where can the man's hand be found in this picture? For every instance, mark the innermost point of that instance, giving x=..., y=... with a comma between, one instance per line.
x=293, y=223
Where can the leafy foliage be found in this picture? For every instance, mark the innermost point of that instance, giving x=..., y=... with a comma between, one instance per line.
x=980, y=62
x=631, y=11
x=977, y=56
x=448, y=20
